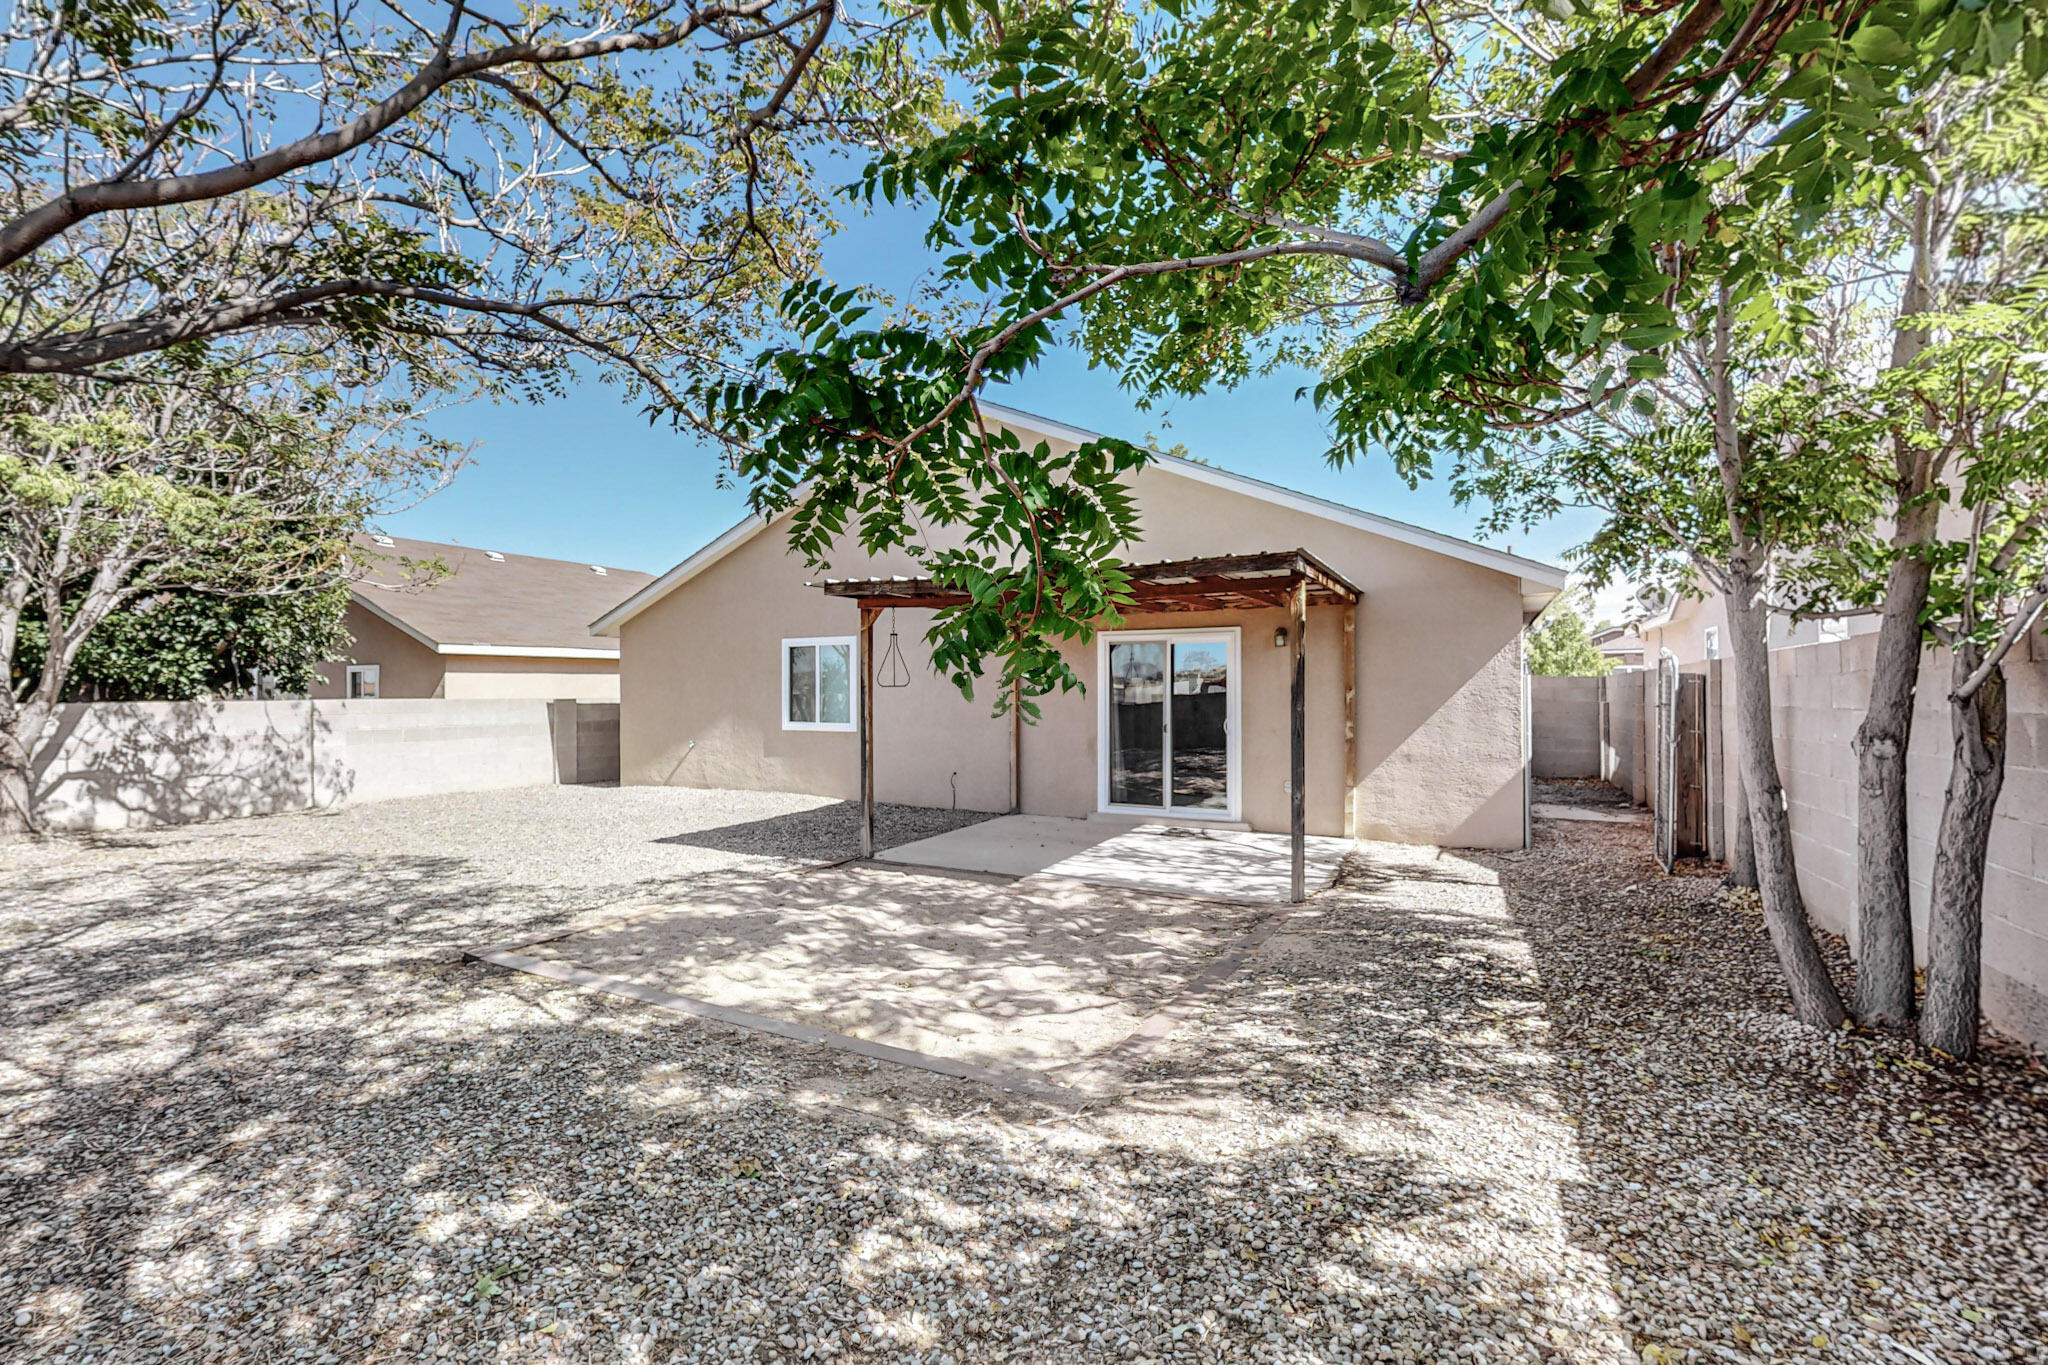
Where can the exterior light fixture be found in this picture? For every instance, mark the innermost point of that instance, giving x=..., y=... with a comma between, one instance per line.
x=1280, y=638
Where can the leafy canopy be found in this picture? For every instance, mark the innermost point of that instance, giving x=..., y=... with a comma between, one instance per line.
x=1469, y=221
x=1559, y=645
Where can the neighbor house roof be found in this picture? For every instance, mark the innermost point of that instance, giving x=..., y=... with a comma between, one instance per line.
x=1540, y=582
x=490, y=602
x=1617, y=640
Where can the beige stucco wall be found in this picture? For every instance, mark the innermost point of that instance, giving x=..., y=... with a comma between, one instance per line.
x=407, y=667
x=544, y=679
x=1439, y=685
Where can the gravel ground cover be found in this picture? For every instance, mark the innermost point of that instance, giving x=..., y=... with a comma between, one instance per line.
x=1539, y=1106
x=1586, y=792
x=986, y=971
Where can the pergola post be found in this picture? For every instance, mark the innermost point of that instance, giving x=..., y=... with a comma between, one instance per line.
x=1297, y=833
x=1017, y=747
x=867, y=729
x=1351, y=721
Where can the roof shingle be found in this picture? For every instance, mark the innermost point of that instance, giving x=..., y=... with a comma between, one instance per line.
x=517, y=601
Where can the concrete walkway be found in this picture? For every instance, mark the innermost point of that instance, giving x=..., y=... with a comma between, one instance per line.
x=1236, y=866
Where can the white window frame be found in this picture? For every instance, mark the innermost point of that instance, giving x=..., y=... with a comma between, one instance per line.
x=374, y=672
x=1233, y=727
x=853, y=681
x=1712, y=641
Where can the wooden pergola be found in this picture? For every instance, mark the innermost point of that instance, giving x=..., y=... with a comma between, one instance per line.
x=1293, y=579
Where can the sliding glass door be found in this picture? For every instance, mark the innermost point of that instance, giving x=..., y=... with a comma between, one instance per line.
x=1169, y=722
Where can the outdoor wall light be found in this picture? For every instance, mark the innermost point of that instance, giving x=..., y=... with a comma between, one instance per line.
x=1280, y=638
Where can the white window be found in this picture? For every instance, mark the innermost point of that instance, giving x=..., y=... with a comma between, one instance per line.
x=1834, y=628
x=1713, y=642
x=818, y=688
x=364, y=680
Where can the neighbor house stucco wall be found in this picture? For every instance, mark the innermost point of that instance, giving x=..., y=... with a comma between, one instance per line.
x=409, y=669
x=406, y=668
x=497, y=676
x=1439, y=685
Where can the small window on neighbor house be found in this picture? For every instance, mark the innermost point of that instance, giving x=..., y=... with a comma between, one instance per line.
x=817, y=683
x=364, y=681
x=1834, y=628
x=1713, y=642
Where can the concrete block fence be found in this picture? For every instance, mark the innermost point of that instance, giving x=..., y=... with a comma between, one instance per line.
x=135, y=765
x=1564, y=726
x=1819, y=692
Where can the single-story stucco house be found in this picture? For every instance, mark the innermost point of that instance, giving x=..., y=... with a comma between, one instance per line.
x=741, y=668
x=495, y=626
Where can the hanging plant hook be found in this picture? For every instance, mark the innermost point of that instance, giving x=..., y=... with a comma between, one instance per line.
x=893, y=671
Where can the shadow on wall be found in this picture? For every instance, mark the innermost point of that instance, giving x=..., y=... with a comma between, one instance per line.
x=141, y=764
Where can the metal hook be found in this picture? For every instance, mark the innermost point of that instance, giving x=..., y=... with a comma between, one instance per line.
x=894, y=672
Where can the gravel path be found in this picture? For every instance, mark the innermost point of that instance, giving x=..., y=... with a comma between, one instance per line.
x=1506, y=1107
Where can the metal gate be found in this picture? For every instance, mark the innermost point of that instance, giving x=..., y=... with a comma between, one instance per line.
x=1681, y=817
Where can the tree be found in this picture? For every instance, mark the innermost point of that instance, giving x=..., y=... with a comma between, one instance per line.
x=1973, y=407
x=1969, y=231
x=179, y=646
x=245, y=478
x=1558, y=645
x=1456, y=214
x=1709, y=476
x=433, y=186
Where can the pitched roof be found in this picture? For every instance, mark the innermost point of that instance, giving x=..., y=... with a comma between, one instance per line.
x=492, y=603
x=1539, y=581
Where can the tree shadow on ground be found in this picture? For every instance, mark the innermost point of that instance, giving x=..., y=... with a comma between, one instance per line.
x=256, y=1104
x=1759, y=1187
x=828, y=833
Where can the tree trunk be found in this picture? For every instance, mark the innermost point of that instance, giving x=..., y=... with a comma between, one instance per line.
x=1815, y=1000
x=18, y=742
x=1884, y=906
x=1955, y=930
x=1742, y=867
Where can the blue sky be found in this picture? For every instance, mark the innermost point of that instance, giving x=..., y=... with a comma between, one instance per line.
x=585, y=477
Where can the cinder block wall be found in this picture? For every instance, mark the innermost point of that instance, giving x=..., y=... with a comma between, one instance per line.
x=586, y=740
x=1819, y=692
x=133, y=765
x=1624, y=752
x=1564, y=726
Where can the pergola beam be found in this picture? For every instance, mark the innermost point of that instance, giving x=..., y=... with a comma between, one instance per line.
x=1217, y=583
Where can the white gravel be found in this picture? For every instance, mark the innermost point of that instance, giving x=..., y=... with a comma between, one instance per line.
x=1497, y=1107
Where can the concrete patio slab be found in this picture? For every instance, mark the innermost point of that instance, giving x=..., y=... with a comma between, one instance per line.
x=1236, y=867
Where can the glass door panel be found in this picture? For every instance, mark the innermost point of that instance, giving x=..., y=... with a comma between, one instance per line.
x=1200, y=749
x=1137, y=722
